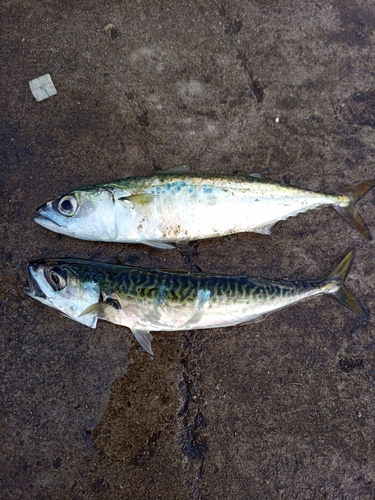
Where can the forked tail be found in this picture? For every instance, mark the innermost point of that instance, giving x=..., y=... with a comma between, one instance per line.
x=340, y=292
x=350, y=212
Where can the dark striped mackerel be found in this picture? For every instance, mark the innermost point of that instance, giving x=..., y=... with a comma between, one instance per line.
x=147, y=300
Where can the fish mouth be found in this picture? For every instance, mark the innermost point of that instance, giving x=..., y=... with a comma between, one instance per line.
x=33, y=290
x=45, y=221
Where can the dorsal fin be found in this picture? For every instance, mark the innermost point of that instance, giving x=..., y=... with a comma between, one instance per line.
x=178, y=169
x=174, y=270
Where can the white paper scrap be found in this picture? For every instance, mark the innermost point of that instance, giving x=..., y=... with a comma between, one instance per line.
x=42, y=87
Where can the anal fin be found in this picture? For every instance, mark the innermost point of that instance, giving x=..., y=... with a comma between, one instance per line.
x=265, y=229
x=144, y=338
x=158, y=244
x=257, y=319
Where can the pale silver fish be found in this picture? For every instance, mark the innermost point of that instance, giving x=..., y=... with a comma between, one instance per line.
x=176, y=208
x=147, y=300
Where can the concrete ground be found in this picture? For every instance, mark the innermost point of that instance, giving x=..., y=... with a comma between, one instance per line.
x=284, y=408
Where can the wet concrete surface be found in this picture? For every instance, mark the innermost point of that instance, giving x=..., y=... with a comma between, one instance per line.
x=278, y=409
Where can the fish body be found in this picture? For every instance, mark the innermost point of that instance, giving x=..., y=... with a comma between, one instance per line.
x=147, y=300
x=177, y=208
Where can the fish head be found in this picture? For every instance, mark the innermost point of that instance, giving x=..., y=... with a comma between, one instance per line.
x=64, y=287
x=86, y=214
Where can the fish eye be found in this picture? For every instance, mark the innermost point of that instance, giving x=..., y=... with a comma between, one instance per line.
x=56, y=278
x=68, y=205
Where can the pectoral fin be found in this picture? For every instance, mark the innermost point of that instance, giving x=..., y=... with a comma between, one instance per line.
x=138, y=199
x=101, y=310
x=105, y=309
x=144, y=338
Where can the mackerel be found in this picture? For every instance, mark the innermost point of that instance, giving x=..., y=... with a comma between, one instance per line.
x=147, y=300
x=176, y=207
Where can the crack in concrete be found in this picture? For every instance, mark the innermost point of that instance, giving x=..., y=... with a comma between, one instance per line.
x=193, y=443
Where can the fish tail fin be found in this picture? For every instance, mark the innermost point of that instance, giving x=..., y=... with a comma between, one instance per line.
x=350, y=213
x=334, y=285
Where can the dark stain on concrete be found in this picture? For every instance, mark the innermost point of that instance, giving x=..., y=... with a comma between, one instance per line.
x=359, y=109
x=190, y=254
x=347, y=364
x=358, y=23
x=142, y=119
x=233, y=27
x=255, y=86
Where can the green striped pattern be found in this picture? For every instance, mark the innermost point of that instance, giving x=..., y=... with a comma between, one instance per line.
x=159, y=286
